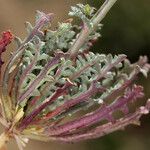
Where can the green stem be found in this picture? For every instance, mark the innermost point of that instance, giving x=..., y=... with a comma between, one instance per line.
x=102, y=12
x=97, y=18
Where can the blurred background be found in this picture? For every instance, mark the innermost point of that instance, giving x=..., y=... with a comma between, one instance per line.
x=126, y=30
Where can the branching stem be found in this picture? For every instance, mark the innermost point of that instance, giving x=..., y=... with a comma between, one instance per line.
x=97, y=18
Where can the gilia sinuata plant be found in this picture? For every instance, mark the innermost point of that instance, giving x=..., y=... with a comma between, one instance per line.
x=52, y=75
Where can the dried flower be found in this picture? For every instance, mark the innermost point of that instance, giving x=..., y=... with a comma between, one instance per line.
x=53, y=75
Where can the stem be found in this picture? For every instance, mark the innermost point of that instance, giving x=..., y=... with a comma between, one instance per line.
x=4, y=138
x=108, y=128
x=102, y=12
x=97, y=18
x=6, y=102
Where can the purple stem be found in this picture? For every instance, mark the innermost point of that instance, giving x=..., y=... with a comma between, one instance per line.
x=27, y=120
x=106, y=128
x=110, y=66
x=101, y=113
x=44, y=19
x=28, y=70
x=72, y=102
x=79, y=99
x=33, y=85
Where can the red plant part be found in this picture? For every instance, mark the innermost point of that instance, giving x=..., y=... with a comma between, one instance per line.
x=4, y=41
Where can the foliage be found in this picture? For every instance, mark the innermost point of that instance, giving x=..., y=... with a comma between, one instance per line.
x=45, y=82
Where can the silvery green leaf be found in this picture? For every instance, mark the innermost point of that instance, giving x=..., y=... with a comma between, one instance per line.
x=29, y=27
x=28, y=54
x=18, y=41
x=36, y=93
x=43, y=57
